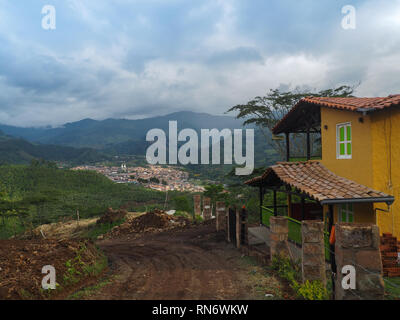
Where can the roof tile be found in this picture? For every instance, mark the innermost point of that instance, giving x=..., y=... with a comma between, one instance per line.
x=315, y=180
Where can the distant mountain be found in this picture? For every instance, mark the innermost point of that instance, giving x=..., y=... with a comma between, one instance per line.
x=19, y=151
x=121, y=136
x=110, y=132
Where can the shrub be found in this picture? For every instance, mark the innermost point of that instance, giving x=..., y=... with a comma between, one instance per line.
x=289, y=270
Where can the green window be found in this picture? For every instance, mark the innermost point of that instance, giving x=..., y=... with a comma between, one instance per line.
x=346, y=213
x=344, y=145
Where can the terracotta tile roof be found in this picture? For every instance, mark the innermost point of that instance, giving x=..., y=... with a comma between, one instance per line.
x=347, y=103
x=316, y=181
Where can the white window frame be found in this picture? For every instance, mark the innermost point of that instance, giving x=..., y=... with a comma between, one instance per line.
x=344, y=208
x=345, y=142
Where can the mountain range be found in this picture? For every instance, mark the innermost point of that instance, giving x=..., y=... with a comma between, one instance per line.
x=95, y=138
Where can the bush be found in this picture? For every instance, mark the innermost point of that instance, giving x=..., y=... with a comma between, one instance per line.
x=289, y=270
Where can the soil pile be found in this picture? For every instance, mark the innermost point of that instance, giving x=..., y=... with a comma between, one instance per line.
x=21, y=263
x=153, y=221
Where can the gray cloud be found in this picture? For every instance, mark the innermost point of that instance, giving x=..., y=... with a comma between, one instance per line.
x=145, y=58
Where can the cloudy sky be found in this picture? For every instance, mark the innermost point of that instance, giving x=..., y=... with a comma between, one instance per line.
x=140, y=58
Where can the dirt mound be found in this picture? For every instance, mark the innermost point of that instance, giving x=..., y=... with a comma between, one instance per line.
x=59, y=230
x=111, y=216
x=153, y=221
x=21, y=263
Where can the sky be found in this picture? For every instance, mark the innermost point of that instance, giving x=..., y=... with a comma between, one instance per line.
x=141, y=58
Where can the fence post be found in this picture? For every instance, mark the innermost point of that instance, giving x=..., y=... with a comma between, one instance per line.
x=313, y=251
x=238, y=229
x=227, y=225
x=279, y=236
x=244, y=233
x=220, y=215
x=197, y=204
x=206, y=208
x=357, y=245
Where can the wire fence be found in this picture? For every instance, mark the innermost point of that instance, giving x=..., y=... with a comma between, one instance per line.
x=295, y=236
x=388, y=283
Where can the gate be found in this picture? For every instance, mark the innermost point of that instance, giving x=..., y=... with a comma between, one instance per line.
x=232, y=225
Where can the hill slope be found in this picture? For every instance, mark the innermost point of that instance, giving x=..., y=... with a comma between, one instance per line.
x=19, y=151
x=121, y=136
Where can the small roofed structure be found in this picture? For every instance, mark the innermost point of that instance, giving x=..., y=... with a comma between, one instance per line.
x=313, y=181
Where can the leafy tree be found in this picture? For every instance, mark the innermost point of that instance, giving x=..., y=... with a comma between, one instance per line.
x=154, y=180
x=266, y=111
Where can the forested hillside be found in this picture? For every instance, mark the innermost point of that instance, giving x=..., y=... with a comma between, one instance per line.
x=19, y=151
x=43, y=194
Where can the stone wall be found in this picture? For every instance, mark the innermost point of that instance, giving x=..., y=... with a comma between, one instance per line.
x=357, y=245
x=206, y=208
x=313, y=251
x=279, y=236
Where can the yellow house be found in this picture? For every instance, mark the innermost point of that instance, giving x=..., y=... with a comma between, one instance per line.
x=359, y=151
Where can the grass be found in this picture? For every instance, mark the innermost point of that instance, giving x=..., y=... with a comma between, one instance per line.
x=392, y=288
x=77, y=269
x=86, y=292
x=264, y=284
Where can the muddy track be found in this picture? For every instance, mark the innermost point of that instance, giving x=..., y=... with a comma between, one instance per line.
x=191, y=263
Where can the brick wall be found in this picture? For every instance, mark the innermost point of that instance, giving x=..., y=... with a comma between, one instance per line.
x=390, y=249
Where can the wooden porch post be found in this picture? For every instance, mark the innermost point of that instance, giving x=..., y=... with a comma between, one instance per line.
x=287, y=146
x=275, y=208
x=303, y=211
x=308, y=145
x=261, y=203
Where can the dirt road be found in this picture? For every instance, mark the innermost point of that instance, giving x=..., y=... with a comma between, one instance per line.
x=190, y=263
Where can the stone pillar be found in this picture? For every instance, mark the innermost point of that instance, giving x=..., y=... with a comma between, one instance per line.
x=313, y=251
x=221, y=216
x=279, y=236
x=357, y=244
x=197, y=204
x=206, y=208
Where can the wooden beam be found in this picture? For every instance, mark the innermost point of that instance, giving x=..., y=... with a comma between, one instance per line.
x=308, y=145
x=261, y=203
x=303, y=209
x=287, y=146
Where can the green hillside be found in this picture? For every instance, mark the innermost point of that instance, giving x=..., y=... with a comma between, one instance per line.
x=47, y=194
x=19, y=151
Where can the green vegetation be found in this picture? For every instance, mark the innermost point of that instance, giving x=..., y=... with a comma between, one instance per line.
x=86, y=292
x=18, y=151
x=291, y=271
x=392, y=288
x=78, y=269
x=40, y=194
x=266, y=111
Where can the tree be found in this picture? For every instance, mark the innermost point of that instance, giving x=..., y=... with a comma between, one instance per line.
x=265, y=112
x=154, y=180
x=215, y=192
